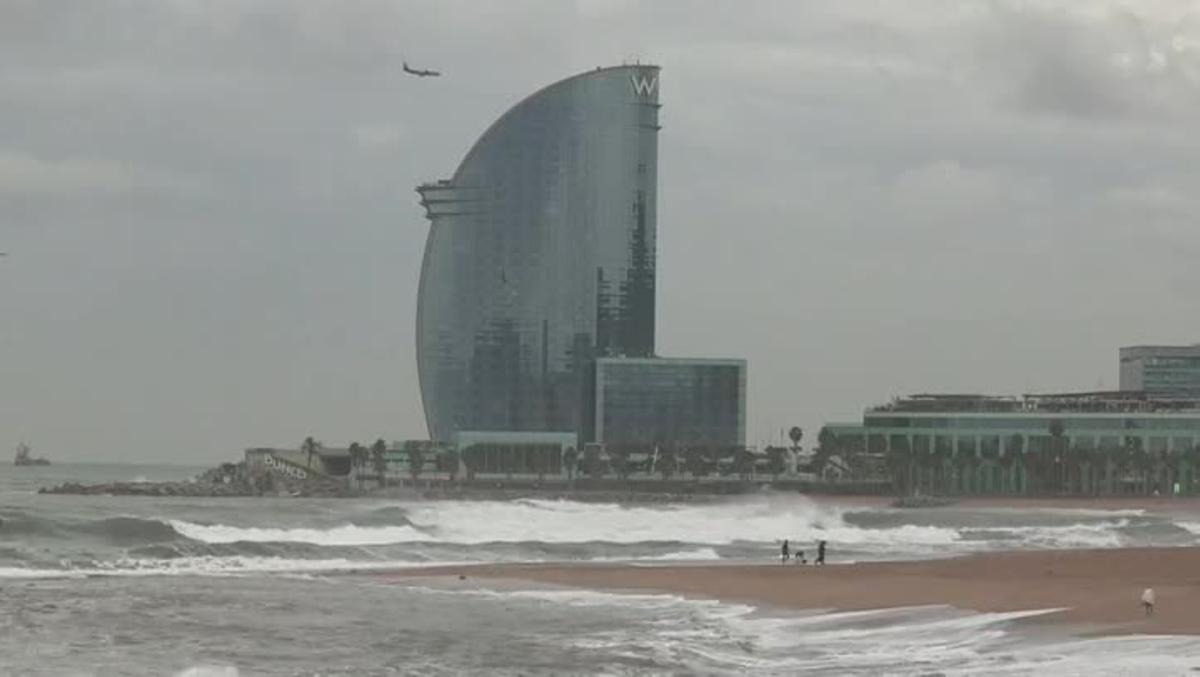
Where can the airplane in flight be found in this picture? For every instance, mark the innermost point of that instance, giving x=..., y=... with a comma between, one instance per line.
x=421, y=73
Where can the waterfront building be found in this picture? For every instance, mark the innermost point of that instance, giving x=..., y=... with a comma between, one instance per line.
x=540, y=256
x=1161, y=371
x=644, y=403
x=1075, y=443
x=536, y=306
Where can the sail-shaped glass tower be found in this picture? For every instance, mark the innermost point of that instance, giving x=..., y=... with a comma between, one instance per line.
x=540, y=257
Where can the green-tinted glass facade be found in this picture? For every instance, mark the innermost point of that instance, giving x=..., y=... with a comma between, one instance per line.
x=642, y=403
x=1161, y=371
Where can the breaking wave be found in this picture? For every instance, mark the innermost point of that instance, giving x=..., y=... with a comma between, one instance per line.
x=330, y=536
x=348, y=534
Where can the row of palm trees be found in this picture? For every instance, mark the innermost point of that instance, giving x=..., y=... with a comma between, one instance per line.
x=374, y=456
x=374, y=459
x=670, y=462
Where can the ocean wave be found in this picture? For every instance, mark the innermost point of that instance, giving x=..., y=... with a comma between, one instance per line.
x=390, y=516
x=208, y=671
x=562, y=522
x=1191, y=527
x=763, y=521
x=713, y=637
x=215, y=566
x=126, y=530
x=1105, y=534
x=348, y=534
x=696, y=555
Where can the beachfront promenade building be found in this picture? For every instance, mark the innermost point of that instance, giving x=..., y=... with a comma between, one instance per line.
x=1076, y=443
x=540, y=261
x=1162, y=371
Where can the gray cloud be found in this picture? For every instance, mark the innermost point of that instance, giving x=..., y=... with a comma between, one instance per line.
x=216, y=244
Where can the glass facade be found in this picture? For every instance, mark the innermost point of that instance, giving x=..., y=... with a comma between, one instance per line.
x=541, y=257
x=641, y=403
x=1162, y=371
x=1183, y=426
x=1042, y=452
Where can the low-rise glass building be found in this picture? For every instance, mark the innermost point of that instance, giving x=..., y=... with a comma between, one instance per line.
x=1161, y=371
x=1080, y=443
x=641, y=403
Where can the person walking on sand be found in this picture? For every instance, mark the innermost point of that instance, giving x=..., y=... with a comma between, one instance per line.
x=820, y=553
x=784, y=553
x=1148, y=601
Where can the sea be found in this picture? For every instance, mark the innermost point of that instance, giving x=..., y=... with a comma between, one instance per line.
x=112, y=585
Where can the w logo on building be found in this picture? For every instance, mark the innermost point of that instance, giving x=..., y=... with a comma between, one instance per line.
x=644, y=86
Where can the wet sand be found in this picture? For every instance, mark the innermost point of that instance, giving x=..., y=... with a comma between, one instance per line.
x=1099, y=590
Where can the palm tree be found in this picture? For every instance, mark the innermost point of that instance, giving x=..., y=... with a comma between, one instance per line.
x=1014, y=447
x=570, y=462
x=827, y=447
x=898, y=464
x=1057, y=454
x=379, y=460
x=744, y=462
x=693, y=462
x=358, y=459
x=667, y=462
x=470, y=461
x=775, y=461
x=448, y=462
x=591, y=460
x=416, y=461
x=795, y=435
x=311, y=448
x=964, y=464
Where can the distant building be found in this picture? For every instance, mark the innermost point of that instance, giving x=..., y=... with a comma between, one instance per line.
x=641, y=403
x=541, y=256
x=536, y=306
x=1074, y=443
x=1162, y=371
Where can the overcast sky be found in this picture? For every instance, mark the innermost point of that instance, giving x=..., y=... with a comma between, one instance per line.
x=214, y=240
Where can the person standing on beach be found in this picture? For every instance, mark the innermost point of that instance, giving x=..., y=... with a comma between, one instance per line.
x=820, y=553
x=1148, y=601
x=784, y=553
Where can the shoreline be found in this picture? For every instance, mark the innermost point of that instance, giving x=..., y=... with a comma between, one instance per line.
x=1097, y=590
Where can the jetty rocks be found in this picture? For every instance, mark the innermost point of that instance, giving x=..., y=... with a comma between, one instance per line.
x=149, y=489
x=225, y=480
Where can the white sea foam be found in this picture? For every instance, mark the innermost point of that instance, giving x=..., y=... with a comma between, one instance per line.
x=1095, y=535
x=527, y=521
x=713, y=637
x=348, y=534
x=213, y=566
x=707, y=525
x=208, y=671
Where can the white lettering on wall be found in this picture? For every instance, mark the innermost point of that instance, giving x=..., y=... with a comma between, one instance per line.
x=644, y=86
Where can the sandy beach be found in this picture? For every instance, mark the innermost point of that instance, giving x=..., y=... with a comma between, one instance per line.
x=1098, y=590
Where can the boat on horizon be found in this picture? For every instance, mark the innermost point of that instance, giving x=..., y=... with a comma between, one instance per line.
x=24, y=456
